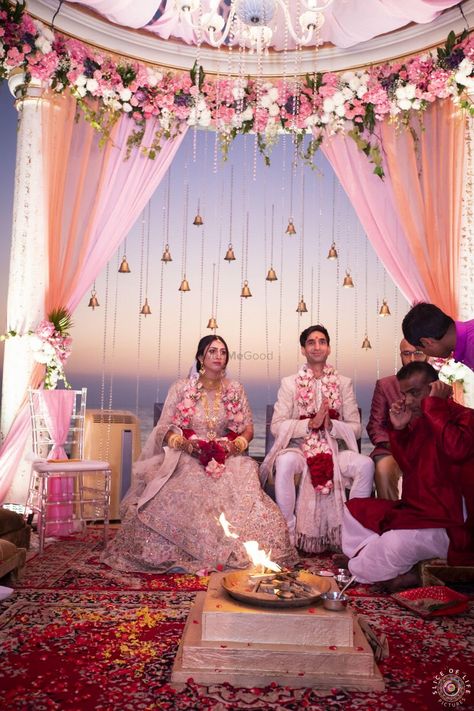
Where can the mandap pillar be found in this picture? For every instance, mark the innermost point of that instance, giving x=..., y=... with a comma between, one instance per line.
x=466, y=247
x=28, y=263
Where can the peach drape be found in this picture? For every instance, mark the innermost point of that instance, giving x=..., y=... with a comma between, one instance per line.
x=413, y=216
x=425, y=166
x=93, y=197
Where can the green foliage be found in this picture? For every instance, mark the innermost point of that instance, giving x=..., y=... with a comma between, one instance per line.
x=61, y=319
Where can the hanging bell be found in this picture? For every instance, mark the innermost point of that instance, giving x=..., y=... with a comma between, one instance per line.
x=184, y=286
x=229, y=255
x=366, y=343
x=332, y=254
x=145, y=311
x=93, y=301
x=271, y=276
x=290, y=230
x=212, y=323
x=245, y=293
x=198, y=221
x=124, y=268
x=167, y=254
x=384, y=310
x=348, y=283
x=301, y=308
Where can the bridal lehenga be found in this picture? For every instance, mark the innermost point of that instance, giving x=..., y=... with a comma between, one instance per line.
x=170, y=515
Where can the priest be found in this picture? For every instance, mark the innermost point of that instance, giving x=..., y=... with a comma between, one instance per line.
x=432, y=439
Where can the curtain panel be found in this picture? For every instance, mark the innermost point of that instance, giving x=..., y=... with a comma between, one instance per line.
x=94, y=196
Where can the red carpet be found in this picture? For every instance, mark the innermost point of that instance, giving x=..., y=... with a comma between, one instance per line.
x=77, y=635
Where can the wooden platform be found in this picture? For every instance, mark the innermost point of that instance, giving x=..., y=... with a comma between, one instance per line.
x=298, y=661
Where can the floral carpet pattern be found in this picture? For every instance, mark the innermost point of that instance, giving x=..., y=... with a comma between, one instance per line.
x=76, y=635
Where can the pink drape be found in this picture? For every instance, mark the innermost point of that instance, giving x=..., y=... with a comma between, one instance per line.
x=94, y=197
x=56, y=408
x=413, y=216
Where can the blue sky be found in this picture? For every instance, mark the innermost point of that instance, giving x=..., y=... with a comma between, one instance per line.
x=130, y=360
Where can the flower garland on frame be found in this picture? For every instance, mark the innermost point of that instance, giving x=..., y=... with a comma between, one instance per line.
x=324, y=103
x=315, y=445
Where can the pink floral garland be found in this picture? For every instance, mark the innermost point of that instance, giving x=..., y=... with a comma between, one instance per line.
x=315, y=446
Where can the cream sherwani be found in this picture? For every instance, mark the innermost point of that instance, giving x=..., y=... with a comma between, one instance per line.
x=315, y=519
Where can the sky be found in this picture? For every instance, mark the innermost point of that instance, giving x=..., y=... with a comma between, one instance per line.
x=128, y=361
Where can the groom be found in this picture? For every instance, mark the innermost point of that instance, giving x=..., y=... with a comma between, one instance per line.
x=315, y=423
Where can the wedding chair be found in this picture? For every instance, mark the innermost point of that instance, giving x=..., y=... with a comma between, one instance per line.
x=65, y=490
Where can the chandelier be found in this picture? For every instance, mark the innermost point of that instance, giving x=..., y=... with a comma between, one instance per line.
x=249, y=21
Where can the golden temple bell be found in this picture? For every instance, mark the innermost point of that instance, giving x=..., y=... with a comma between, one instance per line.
x=166, y=257
x=271, y=276
x=229, y=255
x=93, y=301
x=184, y=286
x=384, y=310
x=212, y=323
x=301, y=308
x=332, y=254
x=124, y=268
x=290, y=230
x=198, y=221
x=348, y=283
x=366, y=343
x=145, y=310
x=245, y=293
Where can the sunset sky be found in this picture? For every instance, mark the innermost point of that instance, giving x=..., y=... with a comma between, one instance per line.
x=141, y=356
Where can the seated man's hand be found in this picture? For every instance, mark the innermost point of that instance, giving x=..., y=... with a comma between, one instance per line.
x=440, y=389
x=319, y=418
x=400, y=416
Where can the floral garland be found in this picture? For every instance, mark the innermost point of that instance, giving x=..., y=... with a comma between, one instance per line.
x=315, y=445
x=50, y=344
x=192, y=393
x=352, y=102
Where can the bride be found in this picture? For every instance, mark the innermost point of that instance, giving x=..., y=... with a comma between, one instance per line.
x=192, y=469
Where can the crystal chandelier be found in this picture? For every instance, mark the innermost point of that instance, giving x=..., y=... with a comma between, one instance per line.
x=250, y=21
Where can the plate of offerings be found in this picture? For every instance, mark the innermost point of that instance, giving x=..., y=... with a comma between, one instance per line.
x=287, y=588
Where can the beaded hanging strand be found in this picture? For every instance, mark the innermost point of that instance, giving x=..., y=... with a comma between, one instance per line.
x=184, y=258
x=140, y=300
x=160, y=302
x=104, y=360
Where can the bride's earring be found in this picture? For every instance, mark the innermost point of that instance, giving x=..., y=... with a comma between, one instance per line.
x=202, y=370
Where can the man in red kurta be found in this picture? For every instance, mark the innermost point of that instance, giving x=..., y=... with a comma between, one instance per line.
x=433, y=442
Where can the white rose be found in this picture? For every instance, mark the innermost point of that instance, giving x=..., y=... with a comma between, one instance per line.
x=338, y=98
x=238, y=93
x=47, y=33
x=404, y=104
x=410, y=90
x=43, y=45
x=192, y=119
x=127, y=107
x=265, y=101
x=465, y=67
x=81, y=80
x=347, y=77
x=81, y=90
x=361, y=91
x=273, y=93
x=92, y=85
x=205, y=118
x=247, y=115
x=416, y=104
x=153, y=77
x=400, y=92
x=340, y=111
x=354, y=83
x=328, y=105
x=274, y=110
x=325, y=118
x=125, y=94
x=347, y=93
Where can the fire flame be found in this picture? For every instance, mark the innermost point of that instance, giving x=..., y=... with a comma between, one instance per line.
x=226, y=526
x=260, y=558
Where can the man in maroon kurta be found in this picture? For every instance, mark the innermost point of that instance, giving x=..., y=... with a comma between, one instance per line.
x=433, y=442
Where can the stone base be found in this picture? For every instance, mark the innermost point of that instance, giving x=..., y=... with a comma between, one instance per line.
x=258, y=664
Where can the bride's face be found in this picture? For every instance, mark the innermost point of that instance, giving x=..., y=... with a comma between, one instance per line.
x=215, y=358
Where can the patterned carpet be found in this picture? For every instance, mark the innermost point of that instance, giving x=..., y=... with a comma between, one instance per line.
x=77, y=635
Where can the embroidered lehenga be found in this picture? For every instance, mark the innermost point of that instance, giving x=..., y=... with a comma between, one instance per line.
x=170, y=514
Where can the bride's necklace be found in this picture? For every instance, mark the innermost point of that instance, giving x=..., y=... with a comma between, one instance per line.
x=211, y=418
x=209, y=384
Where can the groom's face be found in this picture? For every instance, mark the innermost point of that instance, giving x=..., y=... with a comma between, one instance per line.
x=316, y=349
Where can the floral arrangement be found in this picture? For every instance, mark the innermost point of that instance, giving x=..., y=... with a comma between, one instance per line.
x=191, y=394
x=323, y=103
x=315, y=445
x=51, y=345
x=452, y=372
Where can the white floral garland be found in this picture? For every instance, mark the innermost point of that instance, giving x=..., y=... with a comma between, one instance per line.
x=192, y=393
x=316, y=442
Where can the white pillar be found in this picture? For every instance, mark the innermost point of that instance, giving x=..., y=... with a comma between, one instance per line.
x=28, y=261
